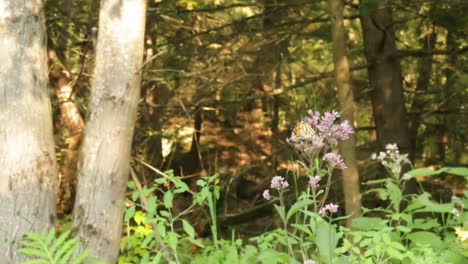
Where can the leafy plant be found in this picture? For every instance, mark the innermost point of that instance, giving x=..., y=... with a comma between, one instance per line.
x=406, y=234
x=152, y=236
x=410, y=229
x=44, y=248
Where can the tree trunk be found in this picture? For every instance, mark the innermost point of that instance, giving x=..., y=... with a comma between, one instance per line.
x=346, y=104
x=71, y=119
x=385, y=76
x=28, y=172
x=105, y=157
x=422, y=84
x=269, y=61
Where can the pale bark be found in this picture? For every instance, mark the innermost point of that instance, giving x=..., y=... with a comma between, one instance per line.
x=385, y=76
x=105, y=157
x=345, y=98
x=28, y=172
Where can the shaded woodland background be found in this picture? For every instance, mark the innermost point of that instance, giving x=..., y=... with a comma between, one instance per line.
x=224, y=83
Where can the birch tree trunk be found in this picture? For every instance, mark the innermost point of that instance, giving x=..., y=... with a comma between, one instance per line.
x=345, y=97
x=385, y=76
x=105, y=157
x=28, y=171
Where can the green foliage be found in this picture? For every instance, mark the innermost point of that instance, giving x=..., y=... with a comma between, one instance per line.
x=44, y=248
x=154, y=222
x=411, y=229
x=411, y=235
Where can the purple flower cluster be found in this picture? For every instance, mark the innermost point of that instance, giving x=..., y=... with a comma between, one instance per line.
x=278, y=182
x=334, y=161
x=314, y=181
x=332, y=208
x=325, y=126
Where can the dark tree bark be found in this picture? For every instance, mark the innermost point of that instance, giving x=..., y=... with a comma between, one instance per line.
x=385, y=76
x=345, y=98
x=451, y=144
x=71, y=119
x=422, y=84
x=28, y=174
x=269, y=63
x=105, y=157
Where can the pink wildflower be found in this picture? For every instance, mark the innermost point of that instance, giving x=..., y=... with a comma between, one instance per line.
x=266, y=195
x=314, y=181
x=327, y=121
x=322, y=211
x=333, y=208
x=334, y=161
x=279, y=182
x=326, y=128
x=343, y=130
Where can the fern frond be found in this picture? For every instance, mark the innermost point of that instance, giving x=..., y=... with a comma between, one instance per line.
x=59, y=242
x=44, y=248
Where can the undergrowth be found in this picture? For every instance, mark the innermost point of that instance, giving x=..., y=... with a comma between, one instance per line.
x=411, y=228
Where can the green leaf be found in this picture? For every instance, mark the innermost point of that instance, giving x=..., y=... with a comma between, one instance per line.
x=44, y=248
x=430, y=206
x=181, y=187
x=393, y=253
x=368, y=223
x=459, y=171
x=249, y=256
x=297, y=206
x=395, y=195
x=131, y=185
x=152, y=203
x=327, y=239
x=129, y=213
x=168, y=196
x=160, y=180
x=164, y=213
x=36, y=261
x=188, y=229
x=67, y=250
x=201, y=182
x=196, y=242
x=50, y=237
x=424, y=224
x=421, y=172
x=375, y=181
x=403, y=229
x=81, y=257
x=269, y=256
x=59, y=242
x=302, y=228
x=34, y=252
x=135, y=195
x=139, y=217
x=161, y=229
x=280, y=210
x=172, y=239
x=424, y=237
x=157, y=258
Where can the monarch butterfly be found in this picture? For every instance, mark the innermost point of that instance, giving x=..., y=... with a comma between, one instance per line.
x=302, y=130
